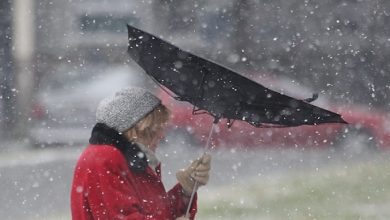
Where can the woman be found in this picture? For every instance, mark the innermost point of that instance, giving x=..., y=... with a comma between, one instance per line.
x=118, y=175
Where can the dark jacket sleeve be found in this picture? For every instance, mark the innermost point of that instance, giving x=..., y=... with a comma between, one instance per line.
x=178, y=204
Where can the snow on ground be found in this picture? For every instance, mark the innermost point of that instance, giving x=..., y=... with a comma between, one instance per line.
x=341, y=191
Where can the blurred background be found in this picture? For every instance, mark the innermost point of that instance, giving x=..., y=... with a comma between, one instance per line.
x=58, y=59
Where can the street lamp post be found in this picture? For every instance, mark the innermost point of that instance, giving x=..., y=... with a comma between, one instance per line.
x=7, y=98
x=23, y=54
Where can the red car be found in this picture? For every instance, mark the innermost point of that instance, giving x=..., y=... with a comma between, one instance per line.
x=367, y=128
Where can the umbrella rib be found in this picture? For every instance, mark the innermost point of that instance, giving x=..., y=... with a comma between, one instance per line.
x=230, y=122
x=198, y=111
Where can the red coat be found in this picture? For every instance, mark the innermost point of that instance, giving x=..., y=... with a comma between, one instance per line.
x=104, y=187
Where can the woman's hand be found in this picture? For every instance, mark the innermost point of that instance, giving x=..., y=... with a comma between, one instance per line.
x=198, y=171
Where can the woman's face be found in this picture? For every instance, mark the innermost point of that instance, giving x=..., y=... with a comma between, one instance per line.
x=160, y=135
x=151, y=140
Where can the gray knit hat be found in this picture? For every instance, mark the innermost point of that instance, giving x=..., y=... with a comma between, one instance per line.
x=128, y=106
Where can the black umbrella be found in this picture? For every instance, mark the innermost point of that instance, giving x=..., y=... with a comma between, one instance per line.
x=217, y=90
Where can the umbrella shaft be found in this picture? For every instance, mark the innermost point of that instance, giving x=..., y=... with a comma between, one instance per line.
x=206, y=149
x=191, y=199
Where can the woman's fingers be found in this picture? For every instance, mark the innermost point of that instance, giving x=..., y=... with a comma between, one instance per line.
x=206, y=159
x=201, y=169
x=202, y=180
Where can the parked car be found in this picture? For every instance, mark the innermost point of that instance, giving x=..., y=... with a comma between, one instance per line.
x=367, y=128
x=64, y=107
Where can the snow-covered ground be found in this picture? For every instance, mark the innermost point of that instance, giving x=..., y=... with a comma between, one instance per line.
x=337, y=191
x=252, y=184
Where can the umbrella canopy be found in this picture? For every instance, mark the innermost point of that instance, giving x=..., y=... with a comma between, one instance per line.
x=217, y=90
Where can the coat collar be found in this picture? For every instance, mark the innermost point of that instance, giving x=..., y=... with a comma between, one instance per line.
x=150, y=155
x=135, y=157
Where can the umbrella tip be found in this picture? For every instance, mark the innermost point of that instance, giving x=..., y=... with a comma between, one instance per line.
x=342, y=121
x=313, y=98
